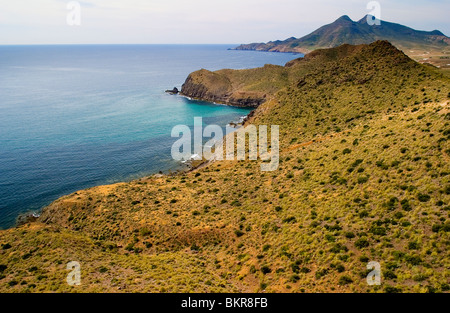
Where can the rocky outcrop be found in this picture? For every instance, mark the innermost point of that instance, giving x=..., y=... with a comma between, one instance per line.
x=285, y=46
x=217, y=87
x=208, y=86
x=174, y=91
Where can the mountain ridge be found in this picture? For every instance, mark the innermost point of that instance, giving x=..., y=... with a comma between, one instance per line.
x=346, y=31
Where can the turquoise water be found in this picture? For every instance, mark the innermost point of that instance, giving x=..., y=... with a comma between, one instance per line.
x=72, y=117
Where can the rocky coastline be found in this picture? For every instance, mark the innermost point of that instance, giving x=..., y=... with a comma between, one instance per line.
x=213, y=87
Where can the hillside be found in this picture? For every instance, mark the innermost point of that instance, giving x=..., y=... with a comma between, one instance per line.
x=364, y=176
x=418, y=44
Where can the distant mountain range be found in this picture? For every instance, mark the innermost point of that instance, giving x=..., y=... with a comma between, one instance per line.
x=346, y=31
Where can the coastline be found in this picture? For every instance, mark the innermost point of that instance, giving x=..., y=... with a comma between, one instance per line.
x=188, y=166
x=109, y=127
x=269, y=51
x=221, y=103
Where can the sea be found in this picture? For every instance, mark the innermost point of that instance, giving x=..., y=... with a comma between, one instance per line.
x=77, y=116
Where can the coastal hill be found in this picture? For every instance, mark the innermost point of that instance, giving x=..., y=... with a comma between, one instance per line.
x=251, y=87
x=364, y=176
x=345, y=31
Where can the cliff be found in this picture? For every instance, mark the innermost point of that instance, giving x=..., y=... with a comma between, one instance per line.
x=217, y=87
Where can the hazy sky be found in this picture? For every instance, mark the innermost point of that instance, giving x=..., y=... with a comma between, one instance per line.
x=198, y=21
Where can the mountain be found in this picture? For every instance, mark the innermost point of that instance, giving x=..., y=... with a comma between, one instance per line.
x=346, y=31
x=364, y=175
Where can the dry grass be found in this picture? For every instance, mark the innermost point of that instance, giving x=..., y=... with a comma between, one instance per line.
x=364, y=175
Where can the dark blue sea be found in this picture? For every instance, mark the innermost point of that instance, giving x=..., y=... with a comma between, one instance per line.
x=73, y=117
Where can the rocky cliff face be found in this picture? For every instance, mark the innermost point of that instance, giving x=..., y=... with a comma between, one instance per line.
x=216, y=87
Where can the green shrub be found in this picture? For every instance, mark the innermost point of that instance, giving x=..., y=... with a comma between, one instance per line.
x=144, y=231
x=305, y=270
x=423, y=197
x=436, y=228
x=445, y=287
x=295, y=266
x=391, y=289
x=364, y=259
x=349, y=235
x=405, y=205
x=361, y=243
x=413, y=259
x=443, y=227
x=103, y=269
x=447, y=190
x=413, y=245
x=330, y=238
x=236, y=203
x=389, y=274
x=363, y=214
x=345, y=280
x=294, y=278
x=290, y=219
x=363, y=179
x=320, y=273
x=337, y=248
x=346, y=151
x=378, y=230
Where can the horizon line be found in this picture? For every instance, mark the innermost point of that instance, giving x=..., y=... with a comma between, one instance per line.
x=117, y=44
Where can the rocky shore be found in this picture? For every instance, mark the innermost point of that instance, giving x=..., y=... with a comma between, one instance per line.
x=216, y=87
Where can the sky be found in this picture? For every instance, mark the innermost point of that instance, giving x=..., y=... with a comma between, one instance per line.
x=197, y=21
